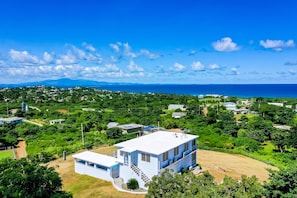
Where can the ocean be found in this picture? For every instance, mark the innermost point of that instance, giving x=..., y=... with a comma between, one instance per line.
x=237, y=90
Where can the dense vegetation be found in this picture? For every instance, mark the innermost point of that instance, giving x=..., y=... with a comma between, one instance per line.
x=282, y=184
x=24, y=178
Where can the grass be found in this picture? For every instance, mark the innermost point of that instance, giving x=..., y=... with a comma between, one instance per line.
x=6, y=154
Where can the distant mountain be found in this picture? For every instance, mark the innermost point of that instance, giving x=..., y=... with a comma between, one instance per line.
x=62, y=83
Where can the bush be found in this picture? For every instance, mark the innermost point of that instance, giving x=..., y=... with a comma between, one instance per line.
x=132, y=184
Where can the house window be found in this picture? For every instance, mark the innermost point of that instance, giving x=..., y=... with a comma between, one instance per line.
x=145, y=157
x=193, y=143
x=122, y=153
x=90, y=164
x=165, y=156
x=80, y=161
x=194, y=158
x=186, y=145
x=176, y=151
x=101, y=167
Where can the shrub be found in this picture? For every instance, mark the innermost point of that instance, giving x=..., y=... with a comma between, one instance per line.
x=132, y=184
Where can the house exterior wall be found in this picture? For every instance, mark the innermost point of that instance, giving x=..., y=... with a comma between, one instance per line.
x=82, y=167
x=149, y=168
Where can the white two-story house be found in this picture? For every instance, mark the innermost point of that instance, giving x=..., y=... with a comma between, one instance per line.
x=141, y=158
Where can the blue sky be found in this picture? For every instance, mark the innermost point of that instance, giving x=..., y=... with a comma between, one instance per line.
x=149, y=41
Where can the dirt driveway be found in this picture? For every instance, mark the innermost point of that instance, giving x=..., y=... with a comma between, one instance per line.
x=20, y=150
x=220, y=164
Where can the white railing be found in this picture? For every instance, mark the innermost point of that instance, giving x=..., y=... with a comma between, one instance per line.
x=172, y=162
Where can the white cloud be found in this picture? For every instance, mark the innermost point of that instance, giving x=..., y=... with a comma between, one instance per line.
x=234, y=71
x=1, y=63
x=66, y=59
x=134, y=67
x=128, y=51
x=225, y=45
x=89, y=47
x=179, y=67
x=214, y=66
x=47, y=57
x=149, y=54
x=112, y=67
x=277, y=45
x=192, y=52
x=80, y=53
x=115, y=47
x=292, y=72
x=197, y=66
x=291, y=63
x=23, y=57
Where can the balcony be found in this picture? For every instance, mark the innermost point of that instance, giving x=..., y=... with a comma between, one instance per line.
x=173, y=161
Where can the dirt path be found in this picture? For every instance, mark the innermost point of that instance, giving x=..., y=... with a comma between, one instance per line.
x=220, y=164
x=20, y=150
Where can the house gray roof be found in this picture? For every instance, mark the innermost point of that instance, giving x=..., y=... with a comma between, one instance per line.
x=176, y=106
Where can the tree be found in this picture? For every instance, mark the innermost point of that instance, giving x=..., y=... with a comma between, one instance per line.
x=114, y=133
x=279, y=139
x=190, y=185
x=247, y=187
x=282, y=183
x=24, y=178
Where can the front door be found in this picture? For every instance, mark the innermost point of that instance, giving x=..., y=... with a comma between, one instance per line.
x=134, y=158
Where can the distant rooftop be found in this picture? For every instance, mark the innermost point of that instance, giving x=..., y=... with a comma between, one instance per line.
x=157, y=142
x=10, y=119
x=129, y=126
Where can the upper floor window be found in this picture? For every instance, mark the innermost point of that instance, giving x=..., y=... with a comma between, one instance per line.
x=186, y=145
x=145, y=157
x=193, y=143
x=176, y=151
x=165, y=156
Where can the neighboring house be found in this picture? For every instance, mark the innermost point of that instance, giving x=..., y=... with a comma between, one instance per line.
x=131, y=128
x=141, y=158
x=88, y=109
x=283, y=127
x=52, y=122
x=112, y=125
x=279, y=104
x=12, y=120
x=177, y=106
x=230, y=106
x=240, y=111
x=178, y=114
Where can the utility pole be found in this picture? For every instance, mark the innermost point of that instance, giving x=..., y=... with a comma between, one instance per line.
x=7, y=108
x=82, y=135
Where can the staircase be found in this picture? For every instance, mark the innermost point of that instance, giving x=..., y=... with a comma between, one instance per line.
x=140, y=173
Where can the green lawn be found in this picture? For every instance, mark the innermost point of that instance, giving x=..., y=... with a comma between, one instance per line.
x=6, y=154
